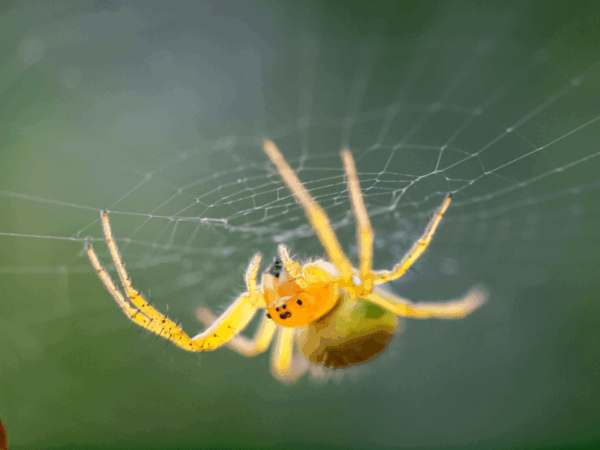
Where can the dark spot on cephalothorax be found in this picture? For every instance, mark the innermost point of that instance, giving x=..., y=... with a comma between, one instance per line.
x=268, y=315
x=299, y=301
x=214, y=335
x=277, y=309
x=285, y=315
x=283, y=306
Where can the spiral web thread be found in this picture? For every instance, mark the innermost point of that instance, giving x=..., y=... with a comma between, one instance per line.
x=521, y=160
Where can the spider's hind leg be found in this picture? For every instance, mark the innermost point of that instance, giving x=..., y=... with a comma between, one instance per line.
x=286, y=364
x=455, y=309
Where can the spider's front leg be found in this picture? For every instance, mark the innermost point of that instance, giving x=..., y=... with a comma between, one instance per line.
x=320, y=223
x=383, y=276
x=139, y=311
x=364, y=231
x=286, y=364
x=246, y=347
x=315, y=214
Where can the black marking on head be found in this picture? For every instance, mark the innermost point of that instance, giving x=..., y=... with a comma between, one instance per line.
x=285, y=315
x=299, y=302
x=268, y=315
x=277, y=309
x=276, y=268
x=283, y=306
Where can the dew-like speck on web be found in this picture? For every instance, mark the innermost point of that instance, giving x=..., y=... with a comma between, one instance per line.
x=533, y=218
x=485, y=46
x=529, y=233
x=450, y=266
x=576, y=209
x=380, y=243
x=30, y=50
x=187, y=280
x=303, y=122
x=71, y=77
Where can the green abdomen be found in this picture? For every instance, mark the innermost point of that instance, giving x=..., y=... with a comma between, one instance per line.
x=354, y=332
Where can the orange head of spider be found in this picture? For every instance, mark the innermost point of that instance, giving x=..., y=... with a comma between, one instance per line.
x=291, y=306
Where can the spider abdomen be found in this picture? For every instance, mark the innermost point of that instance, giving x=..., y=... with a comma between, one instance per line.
x=354, y=332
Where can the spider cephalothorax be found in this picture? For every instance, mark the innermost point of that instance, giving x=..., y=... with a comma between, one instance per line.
x=295, y=302
x=324, y=313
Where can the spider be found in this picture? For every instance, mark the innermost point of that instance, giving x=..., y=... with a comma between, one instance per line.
x=323, y=313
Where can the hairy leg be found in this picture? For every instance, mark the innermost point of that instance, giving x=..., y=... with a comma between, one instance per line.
x=244, y=346
x=383, y=276
x=364, y=231
x=231, y=322
x=456, y=309
x=316, y=215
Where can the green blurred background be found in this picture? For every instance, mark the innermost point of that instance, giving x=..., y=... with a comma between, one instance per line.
x=141, y=107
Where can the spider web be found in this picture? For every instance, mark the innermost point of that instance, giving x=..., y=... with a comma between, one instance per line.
x=159, y=118
x=510, y=131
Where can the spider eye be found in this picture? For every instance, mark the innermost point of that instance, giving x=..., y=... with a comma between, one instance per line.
x=283, y=306
x=299, y=301
x=268, y=315
x=277, y=309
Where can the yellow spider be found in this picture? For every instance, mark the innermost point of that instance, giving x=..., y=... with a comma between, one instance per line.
x=327, y=313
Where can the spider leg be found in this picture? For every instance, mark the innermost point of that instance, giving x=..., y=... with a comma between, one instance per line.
x=292, y=268
x=300, y=366
x=383, y=276
x=316, y=215
x=228, y=324
x=456, y=309
x=364, y=231
x=281, y=359
x=284, y=366
x=164, y=329
x=231, y=322
x=246, y=347
x=251, y=274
